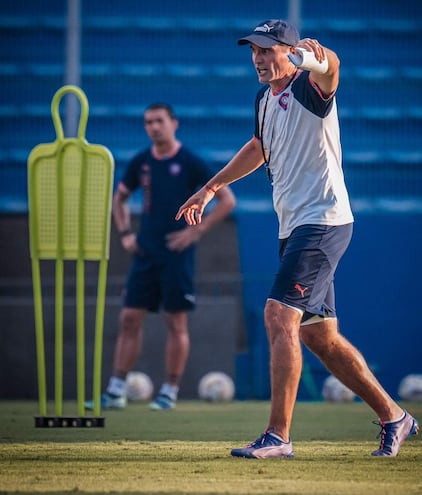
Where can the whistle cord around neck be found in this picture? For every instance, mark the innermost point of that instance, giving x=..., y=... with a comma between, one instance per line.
x=266, y=161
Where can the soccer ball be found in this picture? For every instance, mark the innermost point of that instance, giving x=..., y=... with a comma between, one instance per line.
x=410, y=388
x=138, y=386
x=216, y=386
x=334, y=391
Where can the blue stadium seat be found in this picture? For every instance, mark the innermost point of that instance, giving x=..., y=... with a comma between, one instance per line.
x=134, y=53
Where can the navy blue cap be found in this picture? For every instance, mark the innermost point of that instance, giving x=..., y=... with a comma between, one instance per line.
x=272, y=32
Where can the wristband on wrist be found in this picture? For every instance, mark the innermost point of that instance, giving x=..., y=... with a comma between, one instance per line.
x=307, y=60
x=210, y=188
x=124, y=233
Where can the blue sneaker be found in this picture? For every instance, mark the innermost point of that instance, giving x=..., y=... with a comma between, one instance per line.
x=267, y=446
x=393, y=435
x=162, y=402
x=108, y=402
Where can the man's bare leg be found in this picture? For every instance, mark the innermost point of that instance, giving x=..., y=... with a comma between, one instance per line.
x=347, y=364
x=176, y=356
x=129, y=341
x=282, y=324
x=177, y=346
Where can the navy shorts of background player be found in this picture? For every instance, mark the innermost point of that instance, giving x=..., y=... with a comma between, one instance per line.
x=161, y=278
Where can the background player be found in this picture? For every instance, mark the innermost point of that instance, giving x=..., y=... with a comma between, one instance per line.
x=162, y=269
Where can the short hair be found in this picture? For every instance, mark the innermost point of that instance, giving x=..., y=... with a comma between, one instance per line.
x=162, y=106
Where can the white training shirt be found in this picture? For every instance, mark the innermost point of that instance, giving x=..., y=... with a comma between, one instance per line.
x=301, y=139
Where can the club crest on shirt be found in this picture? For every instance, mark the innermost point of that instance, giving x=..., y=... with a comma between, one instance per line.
x=175, y=169
x=284, y=100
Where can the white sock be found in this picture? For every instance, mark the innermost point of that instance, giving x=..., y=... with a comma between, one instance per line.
x=116, y=386
x=278, y=437
x=169, y=390
x=396, y=420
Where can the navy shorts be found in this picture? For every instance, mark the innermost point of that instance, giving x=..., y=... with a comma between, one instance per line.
x=161, y=282
x=308, y=261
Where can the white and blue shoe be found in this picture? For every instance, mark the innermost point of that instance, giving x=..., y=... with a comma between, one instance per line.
x=393, y=435
x=267, y=446
x=162, y=402
x=108, y=402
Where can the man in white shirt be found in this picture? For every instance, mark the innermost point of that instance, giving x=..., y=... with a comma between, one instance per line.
x=297, y=137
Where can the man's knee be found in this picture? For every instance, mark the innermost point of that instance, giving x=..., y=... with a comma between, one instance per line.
x=177, y=324
x=279, y=318
x=320, y=336
x=130, y=320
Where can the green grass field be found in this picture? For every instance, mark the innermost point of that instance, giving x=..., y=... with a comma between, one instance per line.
x=187, y=451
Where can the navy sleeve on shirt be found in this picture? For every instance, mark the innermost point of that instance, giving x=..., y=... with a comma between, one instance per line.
x=130, y=176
